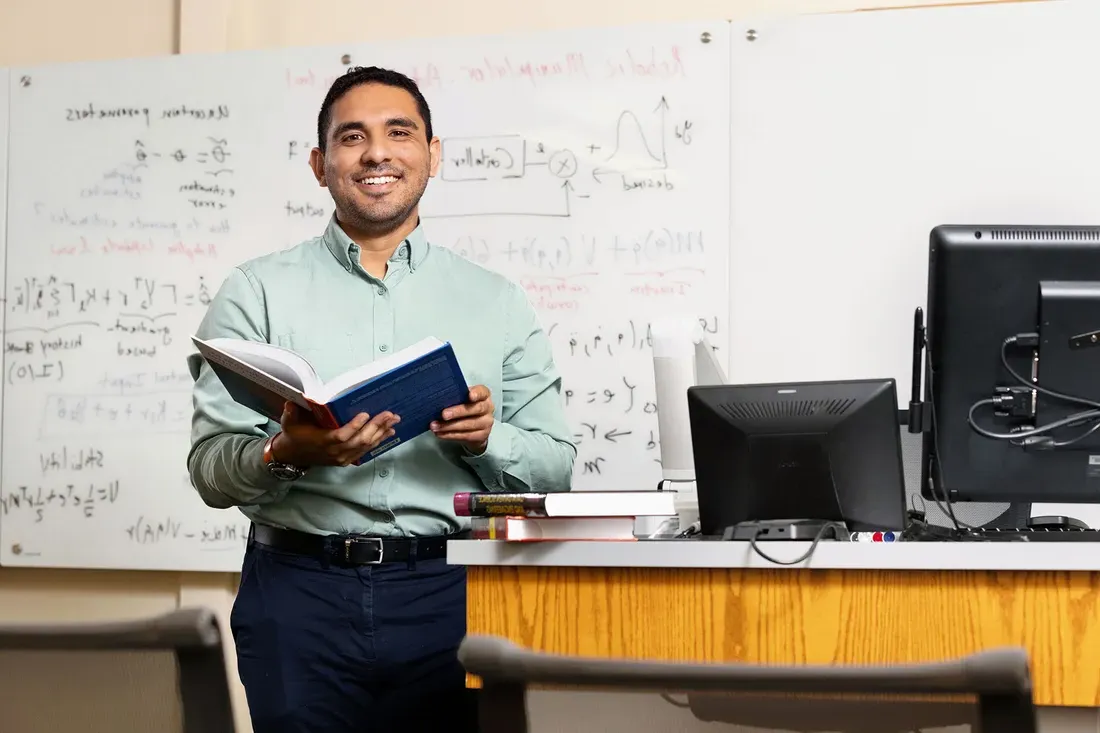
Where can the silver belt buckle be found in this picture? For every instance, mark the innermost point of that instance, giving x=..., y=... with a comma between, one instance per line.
x=349, y=541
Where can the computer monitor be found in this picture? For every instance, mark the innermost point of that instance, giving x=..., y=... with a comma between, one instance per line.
x=800, y=454
x=683, y=357
x=1013, y=330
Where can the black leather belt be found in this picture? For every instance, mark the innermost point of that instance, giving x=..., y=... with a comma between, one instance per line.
x=353, y=549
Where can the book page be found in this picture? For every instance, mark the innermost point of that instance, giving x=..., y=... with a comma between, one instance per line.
x=361, y=375
x=275, y=361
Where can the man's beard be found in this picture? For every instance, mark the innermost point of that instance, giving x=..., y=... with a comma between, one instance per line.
x=367, y=218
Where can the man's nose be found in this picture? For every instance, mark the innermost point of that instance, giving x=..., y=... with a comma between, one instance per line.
x=376, y=150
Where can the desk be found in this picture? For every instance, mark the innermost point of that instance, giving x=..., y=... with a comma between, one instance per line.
x=848, y=603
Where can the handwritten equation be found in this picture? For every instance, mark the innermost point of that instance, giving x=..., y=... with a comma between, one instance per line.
x=632, y=335
x=648, y=248
x=53, y=297
x=42, y=501
x=229, y=535
x=113, y=414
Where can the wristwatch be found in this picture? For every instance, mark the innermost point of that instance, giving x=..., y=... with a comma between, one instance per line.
x=281, y=471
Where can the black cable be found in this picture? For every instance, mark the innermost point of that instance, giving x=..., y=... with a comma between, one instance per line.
x=804, y=556
x=1032, y=339
x=1036, y=437
x=948, y=510
x=1065, y=422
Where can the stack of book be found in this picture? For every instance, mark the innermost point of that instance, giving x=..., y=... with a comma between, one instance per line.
x=574, y=515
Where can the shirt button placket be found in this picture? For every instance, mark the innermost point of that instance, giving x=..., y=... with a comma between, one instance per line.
x=384, y=342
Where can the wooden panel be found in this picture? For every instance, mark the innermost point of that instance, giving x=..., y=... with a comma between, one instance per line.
x=802, y=616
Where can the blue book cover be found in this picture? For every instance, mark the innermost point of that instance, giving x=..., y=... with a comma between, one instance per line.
x=416, y=383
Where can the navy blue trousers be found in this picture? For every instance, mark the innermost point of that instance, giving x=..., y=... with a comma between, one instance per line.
x=362, y=649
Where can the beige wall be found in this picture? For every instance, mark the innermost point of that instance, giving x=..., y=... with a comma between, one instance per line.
x=50, y=31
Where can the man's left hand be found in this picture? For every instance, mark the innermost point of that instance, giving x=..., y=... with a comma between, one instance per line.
x=470, y=423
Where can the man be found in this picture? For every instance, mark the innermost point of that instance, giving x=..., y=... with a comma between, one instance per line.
x=348, y=617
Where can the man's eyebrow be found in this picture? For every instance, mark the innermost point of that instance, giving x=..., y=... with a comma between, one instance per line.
x=402, y=122
x=348, y=126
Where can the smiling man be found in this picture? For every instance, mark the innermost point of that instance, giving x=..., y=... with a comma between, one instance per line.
x=348, y=617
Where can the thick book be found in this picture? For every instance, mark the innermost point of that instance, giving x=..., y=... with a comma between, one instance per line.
x=566, y=504
x=416, y=383
x=553, y=529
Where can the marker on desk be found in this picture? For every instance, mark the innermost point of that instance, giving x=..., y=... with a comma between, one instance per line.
x=874, y=537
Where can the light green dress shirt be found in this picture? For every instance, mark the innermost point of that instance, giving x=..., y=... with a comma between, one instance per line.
x=317, y=299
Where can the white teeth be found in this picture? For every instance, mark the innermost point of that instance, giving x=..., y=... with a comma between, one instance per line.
x=376, y=180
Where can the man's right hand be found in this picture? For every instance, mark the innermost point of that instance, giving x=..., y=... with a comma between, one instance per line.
x=302, y=443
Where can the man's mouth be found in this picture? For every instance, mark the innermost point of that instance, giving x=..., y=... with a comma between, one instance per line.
x=376, y=182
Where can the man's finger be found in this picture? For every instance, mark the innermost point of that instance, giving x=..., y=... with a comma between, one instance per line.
x=348, y=431
x=478, y=393
x=367, y=439
x=369, y=434
x=457, y=412
x=469, y=436
x=459, y=426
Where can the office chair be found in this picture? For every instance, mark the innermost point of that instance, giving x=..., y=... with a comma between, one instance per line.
x=989, y=691
x=166, y=673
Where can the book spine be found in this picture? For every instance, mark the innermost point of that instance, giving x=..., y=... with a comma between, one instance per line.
x=469, y=504
x=324, y=416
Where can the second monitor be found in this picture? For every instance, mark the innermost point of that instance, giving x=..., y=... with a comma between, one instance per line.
x=1012, y=378
x=797, y=457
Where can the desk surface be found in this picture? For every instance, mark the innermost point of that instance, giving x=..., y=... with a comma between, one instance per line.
x=1033, y=556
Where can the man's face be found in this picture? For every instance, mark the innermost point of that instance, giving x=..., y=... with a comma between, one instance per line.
x=378, y=158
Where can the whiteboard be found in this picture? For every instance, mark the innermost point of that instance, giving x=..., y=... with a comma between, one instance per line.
x=4, y=98
x=141, y=182
x=854, y=134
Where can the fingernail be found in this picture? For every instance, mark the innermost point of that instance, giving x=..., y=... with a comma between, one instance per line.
x=447, y=415
x=434, y=426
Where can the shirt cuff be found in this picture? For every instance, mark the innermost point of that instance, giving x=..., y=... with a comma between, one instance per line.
x=497, y=456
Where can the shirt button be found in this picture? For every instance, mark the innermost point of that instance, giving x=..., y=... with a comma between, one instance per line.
x=383, y=347
x=384, y=472
x=381, y=291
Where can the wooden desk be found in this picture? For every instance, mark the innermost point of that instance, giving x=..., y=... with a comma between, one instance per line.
x=849, y=603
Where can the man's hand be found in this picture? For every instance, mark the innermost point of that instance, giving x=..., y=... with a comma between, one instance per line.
x=302, y=443
x=470, y=423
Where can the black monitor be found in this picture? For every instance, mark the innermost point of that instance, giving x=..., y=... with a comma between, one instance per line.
x=1013, y=330
x=793, y=457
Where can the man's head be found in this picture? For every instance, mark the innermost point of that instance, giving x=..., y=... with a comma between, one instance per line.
x=375, y=150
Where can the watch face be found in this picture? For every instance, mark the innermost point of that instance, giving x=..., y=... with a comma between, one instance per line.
x=284, y=472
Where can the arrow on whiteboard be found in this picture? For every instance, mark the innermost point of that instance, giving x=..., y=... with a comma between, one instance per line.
x=662, y=107
x=567, y=187
x=615, y=433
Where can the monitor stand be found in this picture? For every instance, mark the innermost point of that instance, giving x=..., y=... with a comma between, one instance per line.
x=787, y=529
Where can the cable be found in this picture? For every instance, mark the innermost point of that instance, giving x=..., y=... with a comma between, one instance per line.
x=1024, y=434
x=804, y=556
x=948, y=510
x=689, y=531
x=1035, y=437
x=1032, y=339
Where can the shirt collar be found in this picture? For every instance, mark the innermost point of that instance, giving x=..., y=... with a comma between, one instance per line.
x=412, y=251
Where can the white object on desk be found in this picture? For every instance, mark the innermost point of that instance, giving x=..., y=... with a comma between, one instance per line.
x=682, y=358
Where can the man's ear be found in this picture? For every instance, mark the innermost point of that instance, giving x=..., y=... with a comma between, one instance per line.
x=434, y=149
x=317, y=164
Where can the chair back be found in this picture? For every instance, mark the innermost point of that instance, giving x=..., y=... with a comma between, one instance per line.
x=162, y=674
x=989, y=691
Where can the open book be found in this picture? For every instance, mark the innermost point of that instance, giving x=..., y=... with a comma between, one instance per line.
x=416, y=383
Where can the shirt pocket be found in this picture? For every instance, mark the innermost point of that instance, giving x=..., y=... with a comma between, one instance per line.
x=329, y=352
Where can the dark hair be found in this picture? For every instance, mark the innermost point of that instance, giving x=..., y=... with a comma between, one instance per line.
x=358, y=75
